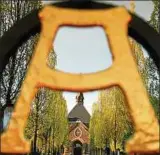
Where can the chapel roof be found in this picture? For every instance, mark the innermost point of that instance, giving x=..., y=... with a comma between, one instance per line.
x=79, y=112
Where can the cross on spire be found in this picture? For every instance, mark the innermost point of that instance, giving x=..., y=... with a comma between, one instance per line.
x=79, y=98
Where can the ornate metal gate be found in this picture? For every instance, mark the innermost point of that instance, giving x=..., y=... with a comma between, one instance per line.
x=123, y=70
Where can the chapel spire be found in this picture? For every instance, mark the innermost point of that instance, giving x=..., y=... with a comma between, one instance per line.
x=80, y=98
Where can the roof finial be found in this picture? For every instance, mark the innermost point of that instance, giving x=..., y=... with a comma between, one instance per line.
x=132, y=6
x=79, y=98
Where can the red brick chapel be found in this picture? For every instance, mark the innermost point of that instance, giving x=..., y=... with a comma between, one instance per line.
x=78, y=128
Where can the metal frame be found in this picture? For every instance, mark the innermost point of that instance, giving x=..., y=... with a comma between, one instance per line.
x=138, y=29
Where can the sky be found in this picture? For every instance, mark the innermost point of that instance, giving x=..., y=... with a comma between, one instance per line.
x=85, y=50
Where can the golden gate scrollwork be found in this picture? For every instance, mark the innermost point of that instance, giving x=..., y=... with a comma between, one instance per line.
x=123, y=72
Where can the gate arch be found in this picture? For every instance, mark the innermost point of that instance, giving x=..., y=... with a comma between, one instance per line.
x=146, y=36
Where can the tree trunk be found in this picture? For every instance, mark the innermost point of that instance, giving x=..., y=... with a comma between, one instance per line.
x=115, y=136
x=35, y=141
x=100, y=151
x=36, y=129
x=159, y=17
x=49, y=137
x=1, y=119
x=115, y=144
x=54, y=151
x=45, y=145
x=50, y=140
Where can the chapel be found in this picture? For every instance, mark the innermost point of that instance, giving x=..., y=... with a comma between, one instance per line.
x=79, y=119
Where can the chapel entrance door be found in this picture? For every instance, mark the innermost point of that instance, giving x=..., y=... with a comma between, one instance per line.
x=77, y=148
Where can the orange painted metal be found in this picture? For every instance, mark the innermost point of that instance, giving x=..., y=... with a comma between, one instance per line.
x=123, y=73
